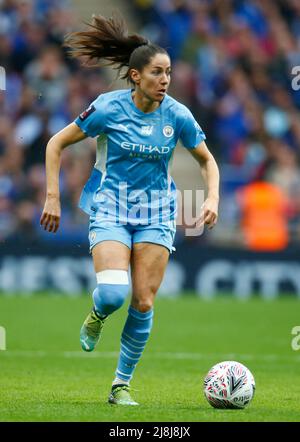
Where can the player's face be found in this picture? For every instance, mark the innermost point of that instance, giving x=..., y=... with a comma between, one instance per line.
x=153, y=81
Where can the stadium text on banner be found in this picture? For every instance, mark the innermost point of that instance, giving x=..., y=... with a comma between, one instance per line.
x=2, y=338
x=2, y=79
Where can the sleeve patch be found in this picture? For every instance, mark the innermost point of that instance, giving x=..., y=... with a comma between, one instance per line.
x=83, y=116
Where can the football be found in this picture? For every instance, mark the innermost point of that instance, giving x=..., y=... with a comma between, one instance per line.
x=229, y=384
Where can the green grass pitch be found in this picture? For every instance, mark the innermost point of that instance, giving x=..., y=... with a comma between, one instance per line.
x=46, y=377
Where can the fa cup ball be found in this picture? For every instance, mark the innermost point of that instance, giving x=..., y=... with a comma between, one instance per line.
x=229, y=384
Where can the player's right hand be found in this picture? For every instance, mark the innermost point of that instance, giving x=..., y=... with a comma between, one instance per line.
x=51, y=214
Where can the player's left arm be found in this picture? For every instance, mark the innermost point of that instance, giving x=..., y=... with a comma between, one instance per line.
x=210, y=173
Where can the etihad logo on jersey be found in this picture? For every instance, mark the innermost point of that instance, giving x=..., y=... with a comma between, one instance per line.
x=145, y=149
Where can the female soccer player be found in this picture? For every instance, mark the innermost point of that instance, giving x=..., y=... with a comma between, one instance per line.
x=130, y=195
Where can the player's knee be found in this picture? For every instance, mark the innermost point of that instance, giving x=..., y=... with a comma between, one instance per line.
x=111, y=291
x=143, y=298
x=142, y=305
x=109, y=297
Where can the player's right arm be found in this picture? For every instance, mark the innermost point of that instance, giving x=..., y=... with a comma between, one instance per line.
x=71, y=134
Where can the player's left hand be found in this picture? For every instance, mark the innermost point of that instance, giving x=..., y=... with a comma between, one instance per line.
x=209, y=213
x=50, y=217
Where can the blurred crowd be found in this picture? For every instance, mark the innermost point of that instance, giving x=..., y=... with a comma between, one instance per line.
x=45, y=91
x=232, y=66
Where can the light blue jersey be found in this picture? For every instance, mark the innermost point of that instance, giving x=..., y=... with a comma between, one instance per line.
x=131, y=181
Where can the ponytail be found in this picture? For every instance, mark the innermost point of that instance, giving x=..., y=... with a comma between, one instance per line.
x=108, y=40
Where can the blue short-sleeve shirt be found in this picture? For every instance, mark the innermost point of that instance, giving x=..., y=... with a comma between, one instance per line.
x=131, y=181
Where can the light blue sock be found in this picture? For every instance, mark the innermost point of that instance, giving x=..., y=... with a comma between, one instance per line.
x=134, y=338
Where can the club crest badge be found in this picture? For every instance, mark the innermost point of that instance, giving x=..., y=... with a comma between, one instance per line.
x=93, y=236
x=168, y=131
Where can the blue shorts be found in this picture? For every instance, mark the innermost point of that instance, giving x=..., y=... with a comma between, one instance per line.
x=128, y=234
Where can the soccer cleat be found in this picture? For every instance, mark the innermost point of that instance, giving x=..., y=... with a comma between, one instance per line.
x=120, y=396
x=90, y=331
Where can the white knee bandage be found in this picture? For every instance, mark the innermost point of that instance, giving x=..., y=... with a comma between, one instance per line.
x=118, y=277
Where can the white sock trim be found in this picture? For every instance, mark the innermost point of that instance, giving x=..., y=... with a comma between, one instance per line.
x=117, y=277
x=118, y=381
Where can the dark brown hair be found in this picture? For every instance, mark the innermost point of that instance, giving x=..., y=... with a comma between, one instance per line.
x=108, y=40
